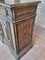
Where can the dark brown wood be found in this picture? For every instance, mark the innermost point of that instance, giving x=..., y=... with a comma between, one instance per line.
x=2, y=1
x=24, y=16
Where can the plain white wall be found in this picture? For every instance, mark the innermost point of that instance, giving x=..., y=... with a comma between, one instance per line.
x=40, y=19
x=25, y=1
x=9, y=1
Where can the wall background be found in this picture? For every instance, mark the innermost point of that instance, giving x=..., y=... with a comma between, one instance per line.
x=40, y=19
x=9, y=1
x=25, y=1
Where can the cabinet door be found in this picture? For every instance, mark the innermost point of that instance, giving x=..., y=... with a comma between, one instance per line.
x=24, y=33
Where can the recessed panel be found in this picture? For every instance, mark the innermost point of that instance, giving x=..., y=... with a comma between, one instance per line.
x=24, y=30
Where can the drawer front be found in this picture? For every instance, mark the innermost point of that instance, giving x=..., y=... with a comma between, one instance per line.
x=24, y=12
x=24, y=32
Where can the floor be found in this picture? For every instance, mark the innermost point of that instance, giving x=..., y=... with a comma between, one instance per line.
x=39, y=35
x=38, y=50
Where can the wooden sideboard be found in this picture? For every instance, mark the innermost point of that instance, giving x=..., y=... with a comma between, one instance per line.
x=22, y=18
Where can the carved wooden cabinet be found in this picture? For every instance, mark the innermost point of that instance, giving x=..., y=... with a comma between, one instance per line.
x=22, y=18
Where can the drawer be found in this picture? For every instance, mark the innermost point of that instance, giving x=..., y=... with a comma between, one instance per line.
x=24, y=12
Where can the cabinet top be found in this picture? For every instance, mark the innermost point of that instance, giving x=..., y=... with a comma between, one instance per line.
x=20, y=4
x=25, y=4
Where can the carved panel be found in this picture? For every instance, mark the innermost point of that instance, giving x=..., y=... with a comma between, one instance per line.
x=24, y=33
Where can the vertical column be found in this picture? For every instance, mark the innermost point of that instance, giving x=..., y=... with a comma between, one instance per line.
x=9, y=35
x=12, y=32
x=4, y=29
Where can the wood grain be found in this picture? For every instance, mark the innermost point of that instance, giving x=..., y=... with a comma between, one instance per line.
x=38, y=50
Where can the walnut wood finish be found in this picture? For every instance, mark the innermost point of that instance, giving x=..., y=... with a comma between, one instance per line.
x=23, y=15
